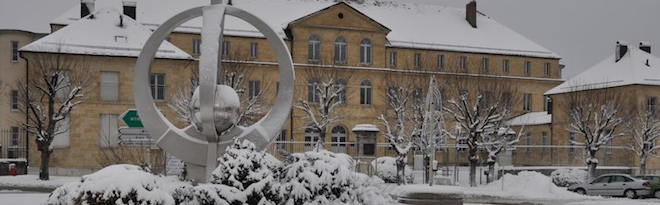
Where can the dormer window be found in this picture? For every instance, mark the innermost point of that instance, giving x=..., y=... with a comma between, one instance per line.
x=121, y=39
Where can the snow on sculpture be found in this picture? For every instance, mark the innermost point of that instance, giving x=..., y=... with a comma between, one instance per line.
x=200, y=145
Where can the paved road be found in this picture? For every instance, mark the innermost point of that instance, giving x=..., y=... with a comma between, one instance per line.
x=612, y=201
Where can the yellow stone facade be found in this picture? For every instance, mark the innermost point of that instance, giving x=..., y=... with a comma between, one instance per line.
x=85, y=147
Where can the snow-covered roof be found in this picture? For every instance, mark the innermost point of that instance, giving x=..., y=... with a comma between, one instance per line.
x=365, y=128
x=443, y=28
x=102, y=35
x=636, y=67
x=532, y=118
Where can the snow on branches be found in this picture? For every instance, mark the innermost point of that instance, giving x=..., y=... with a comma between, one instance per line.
x=645, y=130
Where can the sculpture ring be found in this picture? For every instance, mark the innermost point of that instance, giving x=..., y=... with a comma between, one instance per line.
x=171, y=138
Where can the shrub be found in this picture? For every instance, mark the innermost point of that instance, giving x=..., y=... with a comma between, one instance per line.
x=249, y=171
x=386, y=170
x=116, y=184
x=567, y=176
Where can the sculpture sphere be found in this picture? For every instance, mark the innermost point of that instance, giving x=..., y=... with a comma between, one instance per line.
x=225, y=108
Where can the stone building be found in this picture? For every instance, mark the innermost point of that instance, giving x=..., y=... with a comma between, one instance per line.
x=630, y=76
x=375, y=43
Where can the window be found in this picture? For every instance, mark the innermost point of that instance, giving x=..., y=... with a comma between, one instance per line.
x=418, y=60
x=314, y=48
x=365, y=93
x=393, y=59
x=281, y=140
x=609, y=149
x=63, y=84
x=417, y=95
x=506, y=99
x=462, y=144
x=14, y=100
x=226, y=47
x=157, y=82
x=196, y=46
x=548, y=105
x=311, y=137
x=254, y=49
x=63, y=139
x=254, y=89
x=109, y=131
x=109, y=86
x=546, y=69
x=312, y=94
x=600, y=180
x=528, y=67
x=342, y=95
x=14, y=51
x=485, y=99
x=441, y=61
x=15, y=134
x=340, y=50
x=365, y=51
x=528, y=142
x=484, y=65
x=544, y=140
x=505, y=66
x=464, y=63
x=339, y=139
x=652, y=105
x=527, y=102
x=571, y=139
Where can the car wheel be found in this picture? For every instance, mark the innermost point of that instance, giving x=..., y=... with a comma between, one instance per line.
x=631, y=194
x=581, y=191
x=656, y=194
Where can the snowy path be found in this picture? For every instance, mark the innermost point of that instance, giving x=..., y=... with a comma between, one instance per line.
x=22, y=198
x=31, y=182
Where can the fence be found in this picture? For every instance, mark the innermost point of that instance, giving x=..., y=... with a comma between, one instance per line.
x=13, y=144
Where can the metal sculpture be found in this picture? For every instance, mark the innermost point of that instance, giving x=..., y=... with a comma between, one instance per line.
x=214, y=105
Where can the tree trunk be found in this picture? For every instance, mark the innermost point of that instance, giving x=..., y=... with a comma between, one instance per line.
x=592, y=170
x=400, y=175
x=491, y=171
x=642, y=165
x=473, y=167
x=45, y=161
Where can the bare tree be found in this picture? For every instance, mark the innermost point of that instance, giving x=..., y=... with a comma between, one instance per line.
x=479, y=105
x=398, y=119
x=595, y=114
x=496, y=140
x=645, y=129
x=237, y=72
x=327, y=90
x=55, y=86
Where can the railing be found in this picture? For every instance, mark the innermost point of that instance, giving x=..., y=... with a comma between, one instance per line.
x=13, y=143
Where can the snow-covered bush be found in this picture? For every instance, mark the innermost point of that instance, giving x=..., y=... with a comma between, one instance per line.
x=116, y=184
x=323, y=177
x=567, y=176
x=249, y=171
x=386, y=170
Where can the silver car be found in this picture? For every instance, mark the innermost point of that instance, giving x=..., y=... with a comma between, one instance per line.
x=614, y=185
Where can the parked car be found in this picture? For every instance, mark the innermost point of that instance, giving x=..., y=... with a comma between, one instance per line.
x=614, y=185
x=654, y=180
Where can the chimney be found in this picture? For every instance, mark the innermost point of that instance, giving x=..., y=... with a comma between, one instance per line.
x=471, y=13
x=645, y=46
x=621, y=50
x=130, y=8
x=86, y=7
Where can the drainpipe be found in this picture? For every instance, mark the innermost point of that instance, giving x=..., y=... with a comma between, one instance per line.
x=27, y=118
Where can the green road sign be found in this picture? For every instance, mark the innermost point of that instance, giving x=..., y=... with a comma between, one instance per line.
x=131, y=118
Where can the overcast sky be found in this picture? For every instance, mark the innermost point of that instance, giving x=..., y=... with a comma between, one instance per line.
x=583, y=32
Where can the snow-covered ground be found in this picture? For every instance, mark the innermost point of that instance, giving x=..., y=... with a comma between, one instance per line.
x=33, y=181
x=15, y=197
